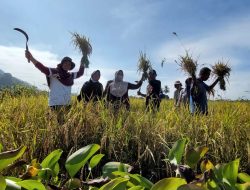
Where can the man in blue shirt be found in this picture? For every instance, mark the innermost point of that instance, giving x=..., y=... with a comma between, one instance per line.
x=199, y=89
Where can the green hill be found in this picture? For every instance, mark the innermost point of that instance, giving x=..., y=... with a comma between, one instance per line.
x=7, y=80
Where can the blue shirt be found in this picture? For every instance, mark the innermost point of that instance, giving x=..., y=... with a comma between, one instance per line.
x=200, y=103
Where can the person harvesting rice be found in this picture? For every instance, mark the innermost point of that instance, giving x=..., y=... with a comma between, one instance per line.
x=60, y=80
x=92, y=89
x=199, y=89
x=153, y=92
x=116, y=91
x=184, y=97
x=177, y=92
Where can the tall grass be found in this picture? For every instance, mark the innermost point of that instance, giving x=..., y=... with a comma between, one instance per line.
x=136, y=137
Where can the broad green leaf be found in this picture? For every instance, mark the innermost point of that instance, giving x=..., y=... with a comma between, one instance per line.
x=213, y=185
x=190, y=187
x=169, y=183
x=95, y=160
x=230, y=171
x=73, y=183
x=11, y=185
x=52, y=159
x=2, y=183
x=136, y=188
x=50, y=163
x=45, y=173
x=176, y=152
x=244, y=186
x=9, y=157
x=1, y=147
x=93, y=188
x=31, y=185
x=141, y=181
x=206, y=165
x=110, y=167
x=194, y=155
x=115, y=184
x=244, y=177
x=14, y=179
x=79, y=158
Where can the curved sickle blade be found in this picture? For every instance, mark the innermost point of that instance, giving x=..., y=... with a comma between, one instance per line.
x=23, y=32
x=26, y=36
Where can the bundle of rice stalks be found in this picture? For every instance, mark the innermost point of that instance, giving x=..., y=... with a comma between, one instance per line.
x=83, y=44
x=222, y=70
x=188, y=65
x=144, y=64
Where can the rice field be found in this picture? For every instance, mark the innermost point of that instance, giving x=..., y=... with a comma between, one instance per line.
x=139, y=138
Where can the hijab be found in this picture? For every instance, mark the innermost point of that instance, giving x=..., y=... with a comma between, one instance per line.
x=118, y=87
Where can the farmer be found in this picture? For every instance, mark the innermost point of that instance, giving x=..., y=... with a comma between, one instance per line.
x=198, y=100
x=184, y=97
x=153, y=92
x=177, y=92
x=60, y=81
x=92, y=89
x=116, y=91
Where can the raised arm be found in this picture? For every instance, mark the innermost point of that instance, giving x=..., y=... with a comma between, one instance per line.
x=37, y=64
x=214, y=84
x=81, y=69
x=138, y=85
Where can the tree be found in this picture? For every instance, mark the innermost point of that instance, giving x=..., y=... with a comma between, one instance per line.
x=166, y=89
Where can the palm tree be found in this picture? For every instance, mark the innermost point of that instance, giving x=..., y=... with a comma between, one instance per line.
x=166, y=89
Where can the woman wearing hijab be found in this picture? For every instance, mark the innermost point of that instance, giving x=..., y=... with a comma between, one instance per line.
x=92, y=89
x=60, y=81
x=117, y=90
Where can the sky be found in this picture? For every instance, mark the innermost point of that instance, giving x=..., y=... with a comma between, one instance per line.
x=210, y=30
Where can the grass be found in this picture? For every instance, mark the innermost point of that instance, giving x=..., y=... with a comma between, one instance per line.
x=138, y=138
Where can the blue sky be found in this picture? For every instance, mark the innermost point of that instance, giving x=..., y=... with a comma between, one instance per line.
x=211, y=30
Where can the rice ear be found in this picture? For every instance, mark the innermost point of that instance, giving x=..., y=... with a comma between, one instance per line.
x=144, y=64
x=222, y=70
x=82, y=43
x=188, y=64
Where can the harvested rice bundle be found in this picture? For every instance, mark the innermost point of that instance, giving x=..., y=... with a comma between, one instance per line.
x=83, y=44
x=144, y=64
x=222, y=70
x=188, y=65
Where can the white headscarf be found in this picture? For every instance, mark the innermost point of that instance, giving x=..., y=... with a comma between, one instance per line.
x=118, y=87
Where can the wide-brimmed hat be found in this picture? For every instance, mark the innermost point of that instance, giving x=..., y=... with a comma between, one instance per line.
x=177, y=83
x=69, y=60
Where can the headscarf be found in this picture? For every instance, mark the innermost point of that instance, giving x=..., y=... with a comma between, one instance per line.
x=97, y=72
x=118, y=87
x=63, y=76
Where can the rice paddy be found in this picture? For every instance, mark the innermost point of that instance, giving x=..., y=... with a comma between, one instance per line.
x=139, y=138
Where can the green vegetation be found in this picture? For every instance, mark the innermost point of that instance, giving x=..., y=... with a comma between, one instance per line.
x=141, y=139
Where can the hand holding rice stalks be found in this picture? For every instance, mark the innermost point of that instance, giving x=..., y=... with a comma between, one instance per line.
x=83, y=44
x=222, y=70
x=188, y=65
x=144, y=64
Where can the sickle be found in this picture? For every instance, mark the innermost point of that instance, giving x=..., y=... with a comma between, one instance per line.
x=25, y=34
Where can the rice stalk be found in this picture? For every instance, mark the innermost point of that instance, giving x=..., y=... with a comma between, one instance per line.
x=188, y=64
x=144, y=64
x=222, y=70
x=82, y=43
